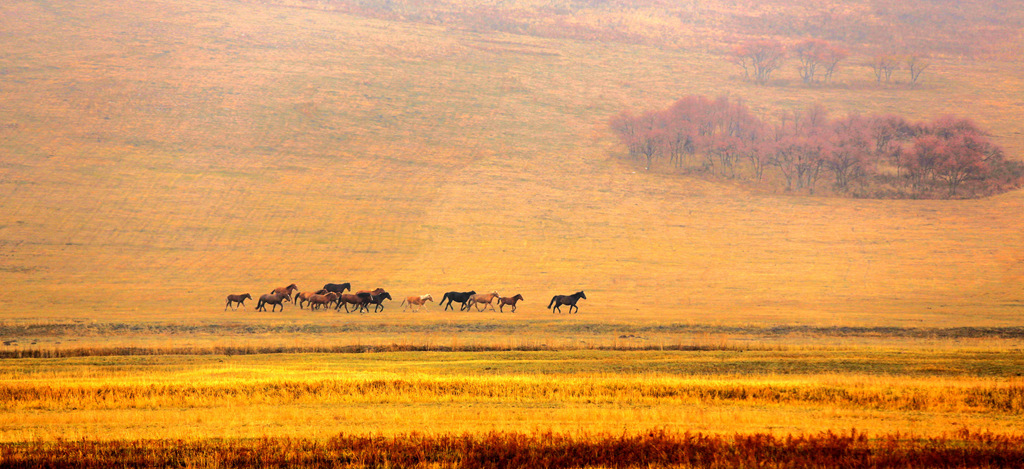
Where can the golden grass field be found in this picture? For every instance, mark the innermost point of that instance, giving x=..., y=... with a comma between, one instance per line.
x=161, y=154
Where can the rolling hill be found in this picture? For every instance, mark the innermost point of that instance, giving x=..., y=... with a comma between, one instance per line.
x=161, y=154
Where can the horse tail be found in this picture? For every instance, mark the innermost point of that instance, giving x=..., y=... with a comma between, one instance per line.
x=552, y=301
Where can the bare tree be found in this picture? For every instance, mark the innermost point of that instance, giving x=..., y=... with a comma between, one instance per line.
x=762, y=57
x=816, y=55
x=915, y=65
x=884, y=65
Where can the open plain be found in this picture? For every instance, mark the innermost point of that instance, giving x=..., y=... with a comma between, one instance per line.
x=158, y=155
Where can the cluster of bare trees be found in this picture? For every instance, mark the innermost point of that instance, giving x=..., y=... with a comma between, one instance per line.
x=885, y=64
x=817, y=60
x=760, y=58
x=876, y=156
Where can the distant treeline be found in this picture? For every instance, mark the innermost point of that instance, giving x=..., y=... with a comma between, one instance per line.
x=874, y=156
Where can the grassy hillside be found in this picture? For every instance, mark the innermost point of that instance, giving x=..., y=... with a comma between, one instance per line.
x=159, y=155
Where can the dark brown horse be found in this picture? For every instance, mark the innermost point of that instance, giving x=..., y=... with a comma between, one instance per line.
x=559, y=300
x=457, y=297
x=338, y=288
x=286, y=291
x=346, y=299
x=273, y=299
x=240, y=299
x=508, y=301
x=376, y=300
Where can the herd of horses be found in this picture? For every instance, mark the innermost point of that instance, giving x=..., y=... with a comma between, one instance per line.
x=333, y=295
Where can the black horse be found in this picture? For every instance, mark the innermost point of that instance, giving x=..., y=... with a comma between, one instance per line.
x=338, y=288
x=376, y=300
x=458, y=297
x=558, y=300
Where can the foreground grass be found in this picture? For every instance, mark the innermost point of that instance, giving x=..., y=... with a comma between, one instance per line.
x=516, y=450
x=798, y=391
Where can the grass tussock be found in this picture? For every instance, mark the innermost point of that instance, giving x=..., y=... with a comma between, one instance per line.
x=515, y=450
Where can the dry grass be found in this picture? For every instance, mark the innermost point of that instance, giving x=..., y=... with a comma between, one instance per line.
x=320, y=395
x=160, y=155
x=206, y=148
x=516, y=450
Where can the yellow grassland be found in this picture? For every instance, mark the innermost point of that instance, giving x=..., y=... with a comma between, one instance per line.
x=438, y=393
x=158, y=155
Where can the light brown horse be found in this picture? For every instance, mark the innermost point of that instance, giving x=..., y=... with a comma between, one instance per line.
x=409, y=301
x=484, y=298
x=286, y=291
x=378, y=291
x=508, y=301
x=317, y=300
x=303, y=297
x=240, y=299
x=274, y=299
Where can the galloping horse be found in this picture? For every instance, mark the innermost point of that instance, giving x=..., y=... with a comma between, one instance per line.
x=508, y=301
x=559, y=300
x=303, y=297
x=338, y=288
x=376, y=300
x=458, y=297
x=318, y=300
x=286, y=291
x=240, y=299
x=272, y=299
x=346, y=299
x=485, y=298
x=377, y=291
x=409, y=301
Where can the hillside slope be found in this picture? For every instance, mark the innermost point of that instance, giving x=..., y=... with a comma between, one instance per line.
x=161, y=155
